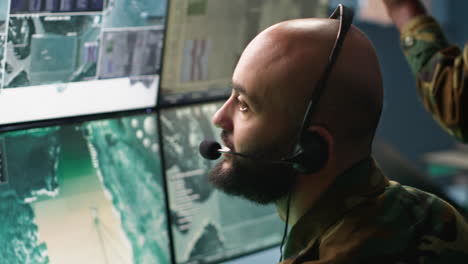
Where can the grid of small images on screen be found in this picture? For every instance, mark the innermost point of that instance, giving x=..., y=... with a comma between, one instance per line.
x=79, y=57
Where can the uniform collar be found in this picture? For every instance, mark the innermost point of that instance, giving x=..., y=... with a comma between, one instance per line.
x=361, y=181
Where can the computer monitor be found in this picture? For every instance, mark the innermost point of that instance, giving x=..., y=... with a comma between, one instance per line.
x=205, y=39
x=75, y=58
x=207, y=225
x=89, y=193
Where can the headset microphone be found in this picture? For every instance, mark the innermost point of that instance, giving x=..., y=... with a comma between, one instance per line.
x=209, y=149
x=212, y=150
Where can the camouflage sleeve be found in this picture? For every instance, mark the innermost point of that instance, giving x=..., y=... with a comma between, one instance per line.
x=441, y=74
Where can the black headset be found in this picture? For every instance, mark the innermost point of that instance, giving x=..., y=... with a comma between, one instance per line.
x=310, y=152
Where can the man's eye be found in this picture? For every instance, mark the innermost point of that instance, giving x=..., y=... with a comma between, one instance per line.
x=242, y=106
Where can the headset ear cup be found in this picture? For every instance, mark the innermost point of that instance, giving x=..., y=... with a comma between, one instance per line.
x=314, y=152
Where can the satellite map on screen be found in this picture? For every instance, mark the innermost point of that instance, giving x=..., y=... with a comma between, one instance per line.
x=205, y=38
x=63, y=51
x=90, y=194
x=207, y=225
x=3, y=18
x=3, y=15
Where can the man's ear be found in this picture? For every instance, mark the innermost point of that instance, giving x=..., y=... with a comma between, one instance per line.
x=324, y=142
x=325, y=134
x=315, y=144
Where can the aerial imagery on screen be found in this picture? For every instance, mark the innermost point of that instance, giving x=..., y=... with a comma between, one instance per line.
x=65, y=58
x=90, y=193
x=3, y=17
x=207, y=225
x=205, y=38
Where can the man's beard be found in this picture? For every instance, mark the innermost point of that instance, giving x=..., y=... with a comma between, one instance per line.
x=256, y=180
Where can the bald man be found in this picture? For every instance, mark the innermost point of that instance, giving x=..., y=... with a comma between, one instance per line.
x=345, y=210
x=440, y=68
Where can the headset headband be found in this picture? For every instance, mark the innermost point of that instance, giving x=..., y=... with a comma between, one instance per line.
x=345, y=15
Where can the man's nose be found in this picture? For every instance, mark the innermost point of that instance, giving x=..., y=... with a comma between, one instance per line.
x=222, y=117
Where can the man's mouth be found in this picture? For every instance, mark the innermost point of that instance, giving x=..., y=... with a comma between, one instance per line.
x=226, y=152
x=226, y=142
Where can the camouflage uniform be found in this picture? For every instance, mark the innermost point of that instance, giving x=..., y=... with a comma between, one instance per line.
x=365, y=218
x=441, y=72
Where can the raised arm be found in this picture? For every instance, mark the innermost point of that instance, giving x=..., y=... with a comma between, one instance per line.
x=439, y=67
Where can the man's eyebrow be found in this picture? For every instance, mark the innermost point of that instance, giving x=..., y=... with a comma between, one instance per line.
x=238, y=88
x=241, y=90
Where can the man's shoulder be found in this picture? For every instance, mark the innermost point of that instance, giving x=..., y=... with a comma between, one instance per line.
x=408, y=205
x=411, y=201
x=403, y=224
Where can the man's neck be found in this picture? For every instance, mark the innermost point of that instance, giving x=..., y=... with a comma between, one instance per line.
x=307, y=191
x=309, y=188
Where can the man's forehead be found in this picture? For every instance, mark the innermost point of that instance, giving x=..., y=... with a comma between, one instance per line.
x=257, y=72
x=268, y=85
